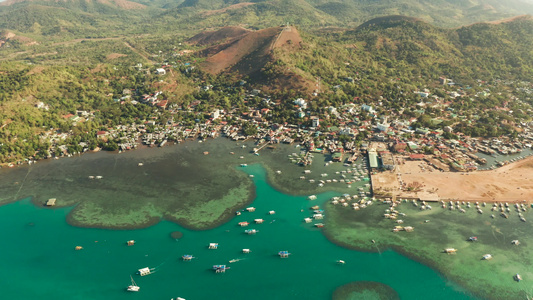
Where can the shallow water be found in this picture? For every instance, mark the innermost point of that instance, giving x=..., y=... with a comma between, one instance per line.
x=437, y=229
x=38, y=252
x=176, y=182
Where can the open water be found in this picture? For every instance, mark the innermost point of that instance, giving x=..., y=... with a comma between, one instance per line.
x=39, y=261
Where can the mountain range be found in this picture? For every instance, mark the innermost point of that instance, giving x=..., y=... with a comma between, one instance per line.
x=93, y=17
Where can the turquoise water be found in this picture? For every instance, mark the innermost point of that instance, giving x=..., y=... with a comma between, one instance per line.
x=39, y=261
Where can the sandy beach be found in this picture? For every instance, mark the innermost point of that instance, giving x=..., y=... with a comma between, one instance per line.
x=510, y=183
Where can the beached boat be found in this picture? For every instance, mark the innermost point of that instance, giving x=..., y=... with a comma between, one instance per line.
x=517, y=277
x=133, y=287
x=515, y=242
x=472, y=239
x=486, y=257
x=145, y=271
x=450, y=250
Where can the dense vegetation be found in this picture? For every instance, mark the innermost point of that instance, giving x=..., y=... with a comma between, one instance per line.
x=61, y=59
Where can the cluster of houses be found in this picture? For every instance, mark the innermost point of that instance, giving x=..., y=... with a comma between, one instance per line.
x=345, y=140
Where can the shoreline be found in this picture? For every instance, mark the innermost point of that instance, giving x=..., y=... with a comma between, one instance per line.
x=430, y=253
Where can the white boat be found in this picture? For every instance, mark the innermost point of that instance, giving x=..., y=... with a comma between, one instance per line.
x=133, y=287
x=487, y=257
x=145, y=271
x=517, y=277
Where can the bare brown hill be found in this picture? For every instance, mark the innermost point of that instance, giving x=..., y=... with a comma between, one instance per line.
x=245, y=52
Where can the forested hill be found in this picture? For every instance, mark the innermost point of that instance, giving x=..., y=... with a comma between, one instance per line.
x=478, y=50
x=119, y=16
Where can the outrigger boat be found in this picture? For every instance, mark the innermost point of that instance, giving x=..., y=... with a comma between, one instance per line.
x=220, y=268
x=283, y=254
x=251, y=231
x=145, y=271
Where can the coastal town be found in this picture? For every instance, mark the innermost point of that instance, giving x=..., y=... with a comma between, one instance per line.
x=344, y=132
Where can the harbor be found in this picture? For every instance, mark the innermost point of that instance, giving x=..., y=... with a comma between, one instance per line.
x=294, y=223
x=187, y=279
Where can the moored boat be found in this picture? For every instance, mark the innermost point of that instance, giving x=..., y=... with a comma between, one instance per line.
x=283, y=254
x=133, y=287
x=251, y=231
x=220, y=268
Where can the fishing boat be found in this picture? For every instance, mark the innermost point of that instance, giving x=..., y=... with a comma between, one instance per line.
x=213, y=246
x=517, y=277
x=251, y=231
x=187, y=257
x=133, y=287
x=341, y=262
x=246, y=251
x=319, y=225
x=130, y=242
x=178, y=298
x=234, y=260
